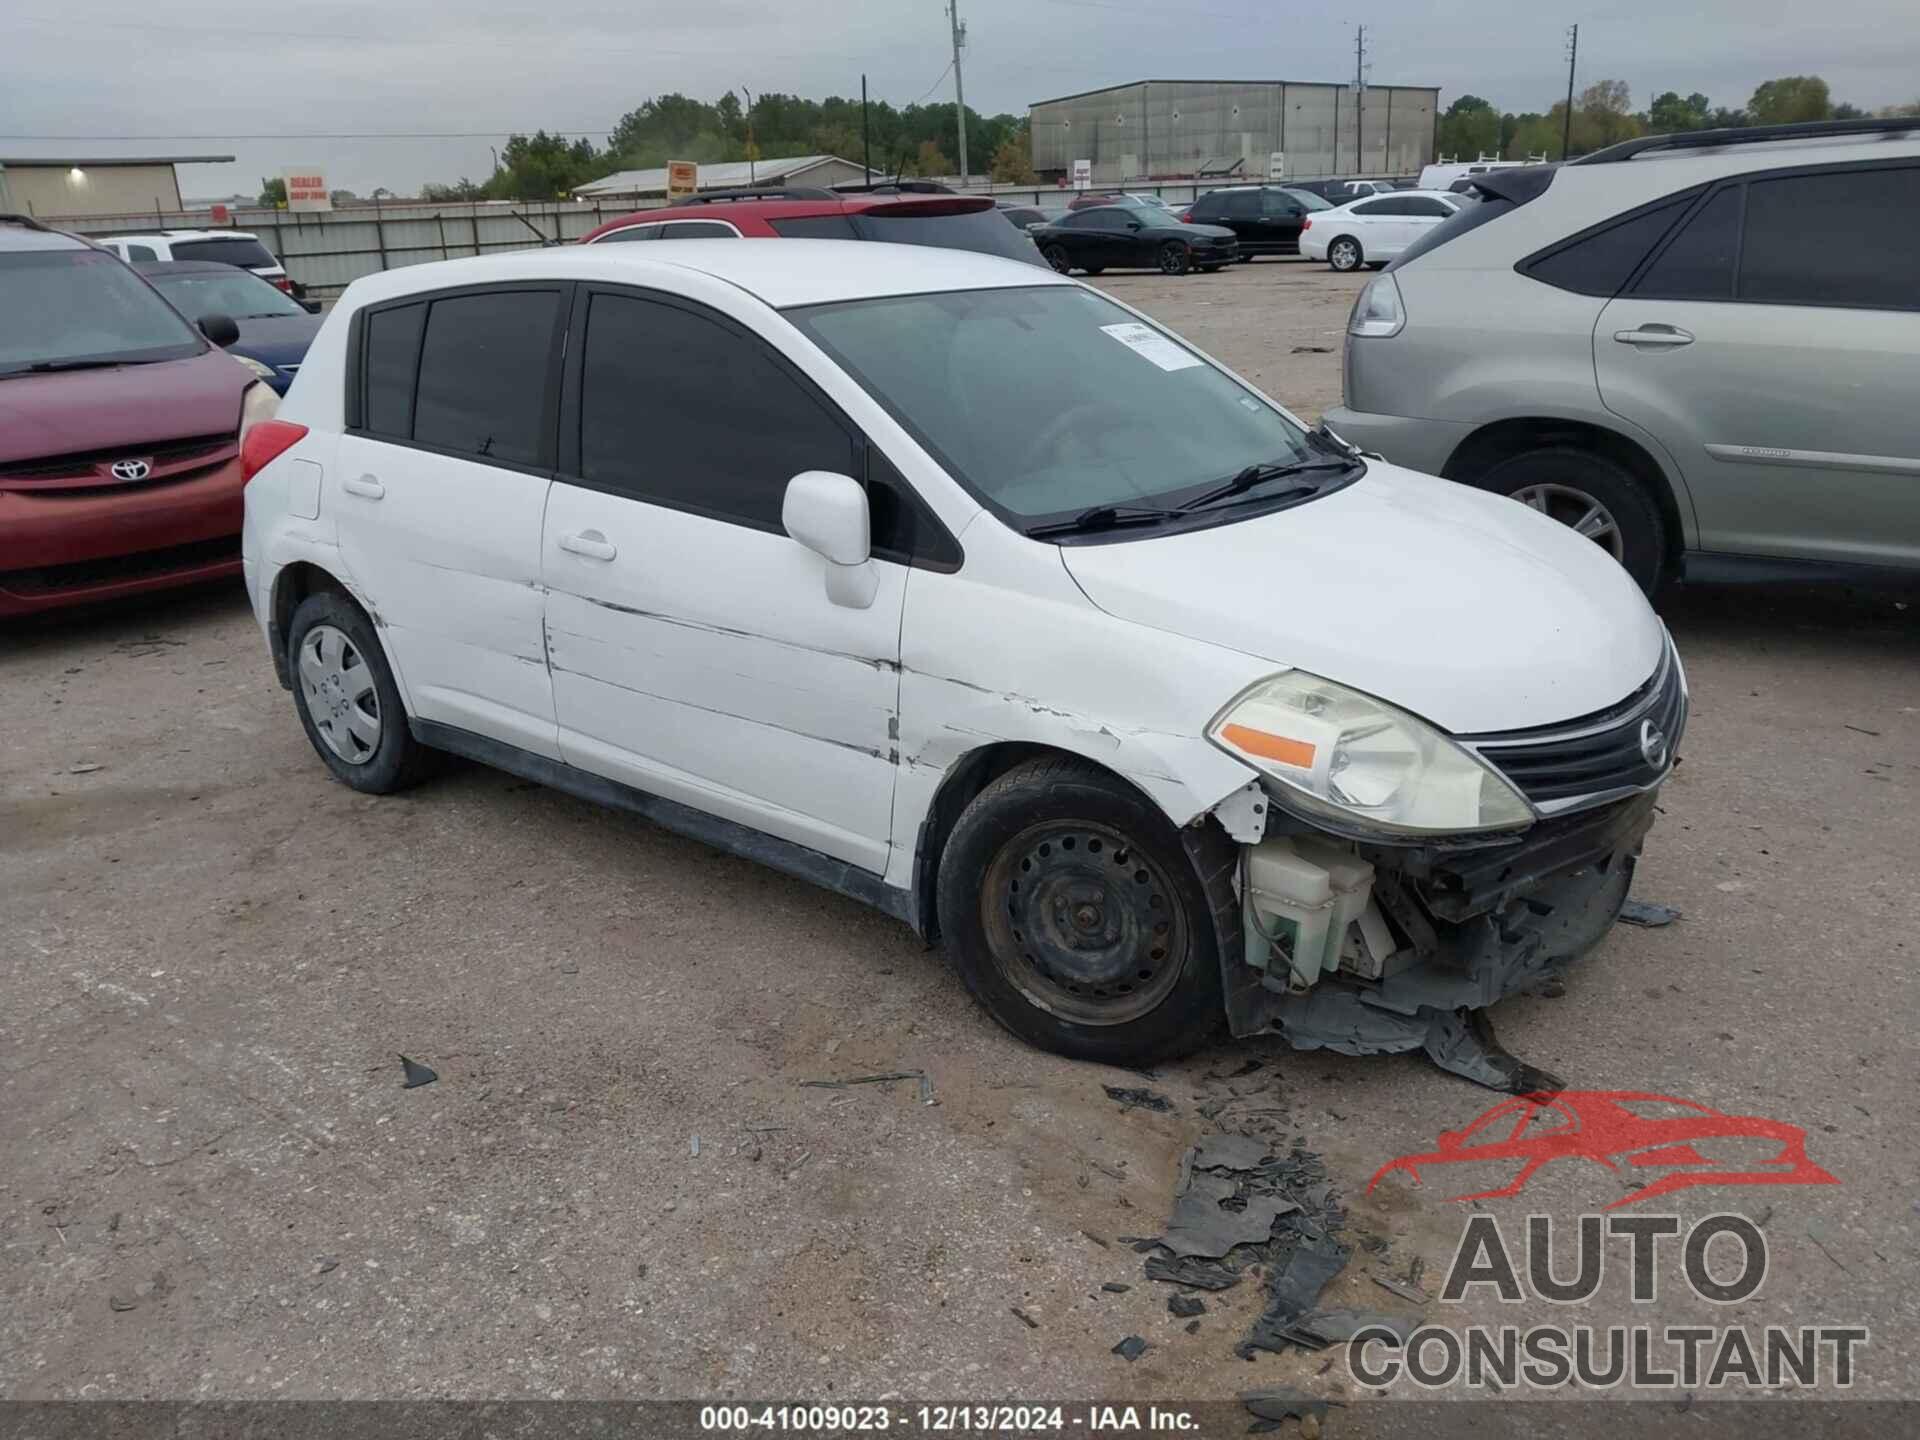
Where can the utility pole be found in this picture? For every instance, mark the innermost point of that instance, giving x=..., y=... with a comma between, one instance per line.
x=752, y=173
x=1360, y=98
x=866, y=137
x=959, y=90
x=1573, y=55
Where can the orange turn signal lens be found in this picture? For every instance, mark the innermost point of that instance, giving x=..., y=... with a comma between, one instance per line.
x=1297, y=753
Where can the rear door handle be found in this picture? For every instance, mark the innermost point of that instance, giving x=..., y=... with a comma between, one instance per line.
x=364, y=485
x=590, y=543
x=1655, y=336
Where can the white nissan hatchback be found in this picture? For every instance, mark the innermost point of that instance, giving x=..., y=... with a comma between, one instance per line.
x=967, y=591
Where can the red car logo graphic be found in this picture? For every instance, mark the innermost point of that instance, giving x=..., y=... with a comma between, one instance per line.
x=1620, y=1128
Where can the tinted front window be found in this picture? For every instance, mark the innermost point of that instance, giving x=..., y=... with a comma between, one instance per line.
x=64, y=306
x=1871, y=218
x=249, y=254
x=1698, y=263
x=485, y=369
x=392, y=361
x=1378, y=207
x=630, y=232
x=814, y=227
x=682, y=410
x=699, y=230
x=978, y=230
x=234, y=293
x=1045, y=401
x=1600, y=263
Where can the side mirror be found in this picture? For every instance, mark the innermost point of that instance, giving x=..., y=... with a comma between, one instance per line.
x=1133, y=224
x=312, y=307
x=220, y=329
x=828, y=514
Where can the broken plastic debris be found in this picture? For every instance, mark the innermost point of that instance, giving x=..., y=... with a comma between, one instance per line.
x=1201, y=1225
x=864, y=1080
x=1131, y=1348
x=1464, y=1044
x=1331, y=1327
x=1114, y=1287
x=1230, y=1152
x=1283, y=1402
x=1652, y=917
x=416, y=1074
x=1186, y=1305
x=1023, y=1317
x=1402, y=1288
x=1137, y=1099
x=1189, y=1270
x=1294, y=1291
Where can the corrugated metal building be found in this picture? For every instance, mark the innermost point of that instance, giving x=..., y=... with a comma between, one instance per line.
x=817, y=170
x=1167, y=128
x=94, y=185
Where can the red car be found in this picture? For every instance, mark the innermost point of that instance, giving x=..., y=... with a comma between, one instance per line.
x=953, y=222
x=120, y=430
x=1631, y=1128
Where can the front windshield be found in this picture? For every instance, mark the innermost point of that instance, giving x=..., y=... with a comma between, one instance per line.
x=67, y=307
x=1047, y=401
x=239, y=294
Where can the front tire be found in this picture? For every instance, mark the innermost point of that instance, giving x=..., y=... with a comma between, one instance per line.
x=1595, y=497
x=1344, y=254
x=1174, y=258
x=1056, y=256
x=345, y=695
x=1076, y=919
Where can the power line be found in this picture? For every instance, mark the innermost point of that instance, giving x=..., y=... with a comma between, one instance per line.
x=934, y=86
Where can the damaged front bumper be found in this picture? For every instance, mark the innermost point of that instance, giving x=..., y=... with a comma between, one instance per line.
x=1412, y=942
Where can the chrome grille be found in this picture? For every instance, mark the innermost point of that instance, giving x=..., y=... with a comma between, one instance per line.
x=1626, y=747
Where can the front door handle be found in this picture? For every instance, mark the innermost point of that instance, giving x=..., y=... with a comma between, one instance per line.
x=590, y=543
x=1655, y=336
x=365, y=485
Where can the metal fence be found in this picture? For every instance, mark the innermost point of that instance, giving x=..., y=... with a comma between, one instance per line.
x=327, y=252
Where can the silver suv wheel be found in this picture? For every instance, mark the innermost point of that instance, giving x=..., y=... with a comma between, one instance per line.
x=1577, y=510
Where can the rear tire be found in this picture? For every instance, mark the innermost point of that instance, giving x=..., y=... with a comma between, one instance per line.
x=1576, y=486
x=1076, y=919
x=345, y=695
x=1344, y=254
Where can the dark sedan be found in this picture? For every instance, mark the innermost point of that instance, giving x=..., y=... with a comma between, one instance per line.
x=274, y=330
x=1265, y=219
x=1117, y=237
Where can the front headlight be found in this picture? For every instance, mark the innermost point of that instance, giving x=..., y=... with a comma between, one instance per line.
x=1351, y=758
x=260, y=372
x=259, y=403
x=1378, y=311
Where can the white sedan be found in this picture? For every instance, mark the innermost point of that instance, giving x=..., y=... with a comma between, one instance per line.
x=1374, y=229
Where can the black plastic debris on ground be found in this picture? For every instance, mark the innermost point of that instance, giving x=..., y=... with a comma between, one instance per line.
x=1201, y=1274
x=1284, y=1402
x=1648, y=916
x=1137, y=1099
x=1186, y=1306
x=416, y=1074
x=1131, y=1348
x=1293, y=1291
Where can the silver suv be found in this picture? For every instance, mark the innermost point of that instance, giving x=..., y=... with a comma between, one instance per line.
x=1700, y=350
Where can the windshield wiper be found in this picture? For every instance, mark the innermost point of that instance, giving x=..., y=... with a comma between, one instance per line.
x=1259, y=474
x=42, y=367
x=1103, y=517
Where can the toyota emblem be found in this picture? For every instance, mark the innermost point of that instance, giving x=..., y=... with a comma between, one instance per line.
x=131, y=469
x=1653, y=744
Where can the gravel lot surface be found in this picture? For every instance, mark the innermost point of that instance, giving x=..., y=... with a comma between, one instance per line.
x=211, y=957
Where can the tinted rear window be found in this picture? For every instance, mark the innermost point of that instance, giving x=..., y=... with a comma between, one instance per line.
x=814, y=227
x=978, y=230
x=485, y=371
x=250, y=254
x=392, y=361
x=1871, y=216
x=1600, y=263
x=1698, y=263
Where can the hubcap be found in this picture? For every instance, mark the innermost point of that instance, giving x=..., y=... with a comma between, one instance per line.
x=1082, y=924
x=1578, y=511
x=1344, y=255
x=341, y=700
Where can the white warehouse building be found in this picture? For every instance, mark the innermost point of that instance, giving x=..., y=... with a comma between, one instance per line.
x=1154, y=129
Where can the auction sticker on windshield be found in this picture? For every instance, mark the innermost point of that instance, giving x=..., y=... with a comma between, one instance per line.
x=1150, y=344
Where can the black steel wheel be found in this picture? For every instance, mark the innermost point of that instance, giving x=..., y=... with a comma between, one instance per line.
x=1175, y=257
x=1056, y=256
x=1076, y=917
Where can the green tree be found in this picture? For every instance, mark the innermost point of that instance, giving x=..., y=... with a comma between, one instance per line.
x=462, y=190
x=543, y=167
x=1670, y=114
x=1470, y=128
x=1013, y=161
x=1789, y=99
x=273, y=192
x=930, y=159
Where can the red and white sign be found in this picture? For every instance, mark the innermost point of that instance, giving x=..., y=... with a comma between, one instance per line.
x=307, y=190
x=683, y=179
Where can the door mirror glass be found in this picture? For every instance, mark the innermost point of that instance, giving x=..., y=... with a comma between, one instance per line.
x=1133, y=224
x=222, y=330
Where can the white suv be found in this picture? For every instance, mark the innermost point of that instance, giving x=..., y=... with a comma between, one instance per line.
x=219, y=247
x=967, y=591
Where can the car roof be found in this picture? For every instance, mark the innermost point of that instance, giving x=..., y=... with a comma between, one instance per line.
x=794, y=272
x=20, y=233
x=775, y=206
x=186, y=235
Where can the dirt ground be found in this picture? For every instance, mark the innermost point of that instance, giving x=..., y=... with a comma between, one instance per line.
x=211, y=957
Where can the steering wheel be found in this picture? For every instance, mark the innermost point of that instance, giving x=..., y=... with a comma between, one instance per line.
x=1058, y=427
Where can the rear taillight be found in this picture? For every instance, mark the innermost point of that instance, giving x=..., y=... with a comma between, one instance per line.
x=264, y=443
x=1186, y=217
x=281, y=283
x=1306, y=223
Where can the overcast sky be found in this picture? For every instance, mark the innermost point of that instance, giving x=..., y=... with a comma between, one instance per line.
x=150, y=76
